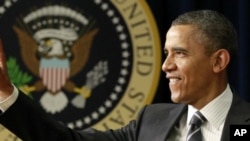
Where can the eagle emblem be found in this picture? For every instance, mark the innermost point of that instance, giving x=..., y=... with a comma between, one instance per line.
x=55, y=47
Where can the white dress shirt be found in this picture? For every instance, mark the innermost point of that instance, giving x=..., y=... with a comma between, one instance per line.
x=5, y=104
x=215, y=112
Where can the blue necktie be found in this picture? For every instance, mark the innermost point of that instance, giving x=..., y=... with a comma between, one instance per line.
x=194, y=132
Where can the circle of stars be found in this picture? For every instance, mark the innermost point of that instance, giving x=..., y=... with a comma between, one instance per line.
x=123, y=71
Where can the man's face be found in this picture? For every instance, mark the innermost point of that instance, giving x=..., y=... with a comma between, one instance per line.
x=187, y=66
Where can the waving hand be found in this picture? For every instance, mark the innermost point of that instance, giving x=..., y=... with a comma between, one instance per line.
x=6, y=87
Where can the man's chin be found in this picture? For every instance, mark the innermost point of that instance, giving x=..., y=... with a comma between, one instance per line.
x=175, y=99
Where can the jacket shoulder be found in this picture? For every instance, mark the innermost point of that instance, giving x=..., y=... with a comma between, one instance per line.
x=160, y=107
x=161, y=110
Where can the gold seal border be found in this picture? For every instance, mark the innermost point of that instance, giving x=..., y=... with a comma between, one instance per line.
x=141, y=89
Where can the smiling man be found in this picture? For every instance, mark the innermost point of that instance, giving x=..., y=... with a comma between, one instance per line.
x=199, y=46
x=198, y=49
x=196, y=76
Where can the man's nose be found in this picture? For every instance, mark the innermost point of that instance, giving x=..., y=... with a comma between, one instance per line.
x=168, y=64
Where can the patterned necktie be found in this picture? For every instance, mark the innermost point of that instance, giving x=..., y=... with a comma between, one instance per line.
x=194, y=131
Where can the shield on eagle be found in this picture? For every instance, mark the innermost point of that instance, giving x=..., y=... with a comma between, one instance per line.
x=54, y=73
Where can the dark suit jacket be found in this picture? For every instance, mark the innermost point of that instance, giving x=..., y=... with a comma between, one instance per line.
x=30, y=123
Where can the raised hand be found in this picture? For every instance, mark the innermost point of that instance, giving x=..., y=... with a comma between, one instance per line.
x=6, y=88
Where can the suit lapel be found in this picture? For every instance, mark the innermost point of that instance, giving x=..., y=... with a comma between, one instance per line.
x=170, y=121
x=233, y=117
x=158, y=128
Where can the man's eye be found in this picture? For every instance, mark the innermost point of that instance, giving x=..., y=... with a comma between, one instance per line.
x=180, y=53
x=166, y=53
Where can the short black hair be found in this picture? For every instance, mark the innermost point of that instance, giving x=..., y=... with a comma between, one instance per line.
x=212, y=29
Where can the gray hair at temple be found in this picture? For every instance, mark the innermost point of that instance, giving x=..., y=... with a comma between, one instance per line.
x=213, y=30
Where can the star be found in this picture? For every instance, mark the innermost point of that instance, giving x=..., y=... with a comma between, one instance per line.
x=119, y=28
x=124, y=45
x=87, y=120
x=95, y=115
x=113, y=96
x=102, y=110
x=108, y=103
x=79, y=123
x=2, y=10
x=121, y=80
x=104, y=6
x=125, y=63
x=7, y=4
x=125, y=54
x=122, y=36
x=110, y=13
x=118, y=88
x=115, y=20
x=98, y=1
x=70, y=125
x=124, y=72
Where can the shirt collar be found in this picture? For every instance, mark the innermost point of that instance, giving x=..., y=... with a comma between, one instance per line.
x=216, y=110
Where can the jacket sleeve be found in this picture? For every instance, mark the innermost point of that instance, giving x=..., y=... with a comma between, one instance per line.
x=28, y=121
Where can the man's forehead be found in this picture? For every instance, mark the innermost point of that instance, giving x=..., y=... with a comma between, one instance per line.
x=182, y=36
x=177, y=29
x=177, y=34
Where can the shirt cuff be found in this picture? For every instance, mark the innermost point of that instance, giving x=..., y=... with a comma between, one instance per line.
x=6, y=104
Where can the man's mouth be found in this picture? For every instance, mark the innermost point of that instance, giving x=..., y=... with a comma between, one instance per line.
x=174, y=80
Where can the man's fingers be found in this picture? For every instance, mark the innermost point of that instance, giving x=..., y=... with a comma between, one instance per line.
x=2, y=58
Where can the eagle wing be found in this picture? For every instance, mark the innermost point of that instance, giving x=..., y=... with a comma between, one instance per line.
x=28, y=48
x=81, y=51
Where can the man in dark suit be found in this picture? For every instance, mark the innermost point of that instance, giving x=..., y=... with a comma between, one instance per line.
x=198, y=48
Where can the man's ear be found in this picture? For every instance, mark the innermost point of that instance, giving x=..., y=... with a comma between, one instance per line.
x=221, y=60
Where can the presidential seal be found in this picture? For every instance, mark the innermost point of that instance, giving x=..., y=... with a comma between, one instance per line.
x=91, y=63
